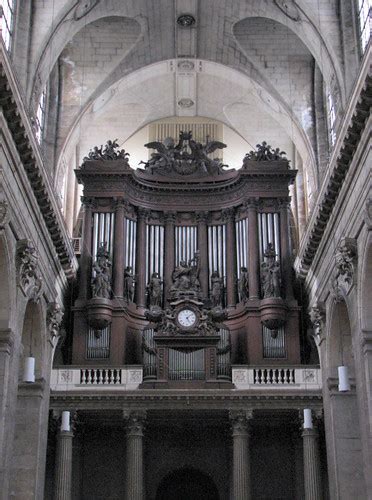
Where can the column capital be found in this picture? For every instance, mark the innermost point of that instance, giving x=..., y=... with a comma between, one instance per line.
x=143, y=213
x=120, y=203
x=88, y=202
x=251, y=203
x=240, y=421
x=170, y=217
x=135, y=422
x=202, y=217
x=228, y=214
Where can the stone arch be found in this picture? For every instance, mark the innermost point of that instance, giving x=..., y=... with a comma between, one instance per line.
x=340, y=351
x=32, y=340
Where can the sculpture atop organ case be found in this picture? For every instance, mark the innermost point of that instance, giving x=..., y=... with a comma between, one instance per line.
x=200, y=259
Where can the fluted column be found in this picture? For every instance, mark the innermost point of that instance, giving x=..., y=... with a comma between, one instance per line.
x=231, y=274
x=141, y=258
x=241, y=458
x=169, y=264
x=134, y=476
x=285, y=248
x=312, y=471
x=119, y=249
x=253, y=250
x=86, y=251
x=63, y=478
x=202, y=218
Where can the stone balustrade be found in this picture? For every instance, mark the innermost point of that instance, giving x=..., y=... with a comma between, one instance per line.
x=277, y=377
x=102, y=378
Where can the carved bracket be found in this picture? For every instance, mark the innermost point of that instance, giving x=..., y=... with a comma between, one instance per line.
x=28, y=275
x=346, y=262
x=317, y=318
x=54, y=320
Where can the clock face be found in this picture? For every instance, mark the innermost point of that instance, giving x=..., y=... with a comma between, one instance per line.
x=186, y=318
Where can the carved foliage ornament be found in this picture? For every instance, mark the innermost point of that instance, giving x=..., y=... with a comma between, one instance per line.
x=346, y=258
x=29, y=278
x=4, y=213
x=317, y=318
x=54, y=320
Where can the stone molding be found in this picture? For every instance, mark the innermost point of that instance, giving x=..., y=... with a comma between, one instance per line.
x=359, y=112
x=14, y=111
x=28, y=275
x=367, y=215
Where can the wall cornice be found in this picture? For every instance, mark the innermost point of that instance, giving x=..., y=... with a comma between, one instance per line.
x=354, y=123
x=12, y=104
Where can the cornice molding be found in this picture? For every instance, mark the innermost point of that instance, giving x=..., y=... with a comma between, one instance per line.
x=19, y=124
x=355, y=121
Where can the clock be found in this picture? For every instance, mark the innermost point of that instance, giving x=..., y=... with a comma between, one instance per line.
x=186, y=318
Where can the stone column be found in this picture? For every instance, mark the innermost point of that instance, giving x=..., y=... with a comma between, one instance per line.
x=241, y=458
x=202, y=218
x=134, y=471
x=253, y=250
x=285, y=248
x=312, y=472
x=119, y=249
x=86, y=251
x=169, y=264
x=231, y=274
x=141, y=258
x=63, y=478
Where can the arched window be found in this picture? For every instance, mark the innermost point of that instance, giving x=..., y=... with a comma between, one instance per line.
x=40, y=116
x=365, y=21
x=7, y=21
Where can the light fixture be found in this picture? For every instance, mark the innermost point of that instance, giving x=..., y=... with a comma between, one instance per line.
x=186, y=20
x=308, y=421
x=65, y=422
x=29, y=369
x=343, y=379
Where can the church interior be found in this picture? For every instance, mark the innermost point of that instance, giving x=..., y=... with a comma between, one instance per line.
x=185, y=249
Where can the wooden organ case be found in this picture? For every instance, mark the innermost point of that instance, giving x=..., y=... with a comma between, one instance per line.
x=185, y=266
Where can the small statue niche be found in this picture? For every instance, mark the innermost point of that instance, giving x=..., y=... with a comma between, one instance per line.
x=101, y=282
x=129, y=284
x=270, y=274
x=243, y=285
x=154, y=290
x=216, y=289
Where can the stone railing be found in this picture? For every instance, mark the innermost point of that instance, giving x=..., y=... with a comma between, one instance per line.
x=101, y=378
x=278, y=377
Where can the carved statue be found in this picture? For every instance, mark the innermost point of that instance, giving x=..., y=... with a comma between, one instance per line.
x=206, y=326
x=129, y=284
x=270, y=274
x=216, y=289
x=243, y=286
x=101, y=282
x=186, y=158
x=264, y=152
x=107, y=153
x=168, y=325
x=186, y=277
x=155, y=290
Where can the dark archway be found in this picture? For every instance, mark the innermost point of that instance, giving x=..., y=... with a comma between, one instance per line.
x=187, y=484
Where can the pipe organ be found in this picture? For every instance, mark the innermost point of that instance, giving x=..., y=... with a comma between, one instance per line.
x=185, y=266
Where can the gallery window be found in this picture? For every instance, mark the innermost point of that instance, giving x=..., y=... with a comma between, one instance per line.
x=6, y=21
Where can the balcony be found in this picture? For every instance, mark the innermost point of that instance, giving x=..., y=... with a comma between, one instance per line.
x=128, y=378
x=301, y=378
